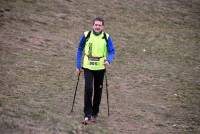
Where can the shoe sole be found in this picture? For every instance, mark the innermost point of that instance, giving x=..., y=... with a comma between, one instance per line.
x=88, y=122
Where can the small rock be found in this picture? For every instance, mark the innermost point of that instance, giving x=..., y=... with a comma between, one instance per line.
x=1, y=10
x=174, y=125
x=7, y=10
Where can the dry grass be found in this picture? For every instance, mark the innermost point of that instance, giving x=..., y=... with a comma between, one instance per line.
x=153, y=83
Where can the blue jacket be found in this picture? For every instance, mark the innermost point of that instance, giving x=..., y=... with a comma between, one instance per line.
x=110, y=47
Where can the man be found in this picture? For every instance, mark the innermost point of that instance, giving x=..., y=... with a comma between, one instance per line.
x=98, y=52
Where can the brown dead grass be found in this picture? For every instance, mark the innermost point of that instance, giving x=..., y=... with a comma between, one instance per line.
x=152, y=91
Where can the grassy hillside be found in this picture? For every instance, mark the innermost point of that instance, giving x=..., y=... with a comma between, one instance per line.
x=153, y=83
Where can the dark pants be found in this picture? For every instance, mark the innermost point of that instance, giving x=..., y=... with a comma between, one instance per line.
x=93, y=79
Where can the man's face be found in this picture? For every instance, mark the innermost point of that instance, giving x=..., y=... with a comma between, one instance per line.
x=98, y=26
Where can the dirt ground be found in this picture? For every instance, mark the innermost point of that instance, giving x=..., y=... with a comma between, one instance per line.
x=153, y=83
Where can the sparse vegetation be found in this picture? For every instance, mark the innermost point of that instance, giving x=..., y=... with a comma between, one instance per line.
x=153, y=83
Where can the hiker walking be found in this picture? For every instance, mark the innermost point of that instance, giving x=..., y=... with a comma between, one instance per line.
x=97, y=49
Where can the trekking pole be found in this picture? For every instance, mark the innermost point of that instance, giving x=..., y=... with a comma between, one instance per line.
x=107, y=93
x=75, y=92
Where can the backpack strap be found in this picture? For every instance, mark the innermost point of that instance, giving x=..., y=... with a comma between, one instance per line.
x=105, y=37
x=88, y=36
x=89, y=33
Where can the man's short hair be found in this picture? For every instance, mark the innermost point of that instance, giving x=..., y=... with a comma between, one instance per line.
x=99, y=19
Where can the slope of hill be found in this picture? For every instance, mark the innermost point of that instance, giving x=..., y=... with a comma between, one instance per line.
x=153, y=83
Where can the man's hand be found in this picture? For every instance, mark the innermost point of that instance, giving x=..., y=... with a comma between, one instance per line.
x=78, y=71
x=106, y=63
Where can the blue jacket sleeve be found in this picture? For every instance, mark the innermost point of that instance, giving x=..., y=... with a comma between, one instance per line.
x=80, y=51
x=111, y=50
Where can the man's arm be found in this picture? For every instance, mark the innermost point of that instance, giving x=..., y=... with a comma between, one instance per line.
x=80, y=51
x=111, y=50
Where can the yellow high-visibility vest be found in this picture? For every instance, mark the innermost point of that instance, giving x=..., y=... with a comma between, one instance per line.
x=95, y=51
